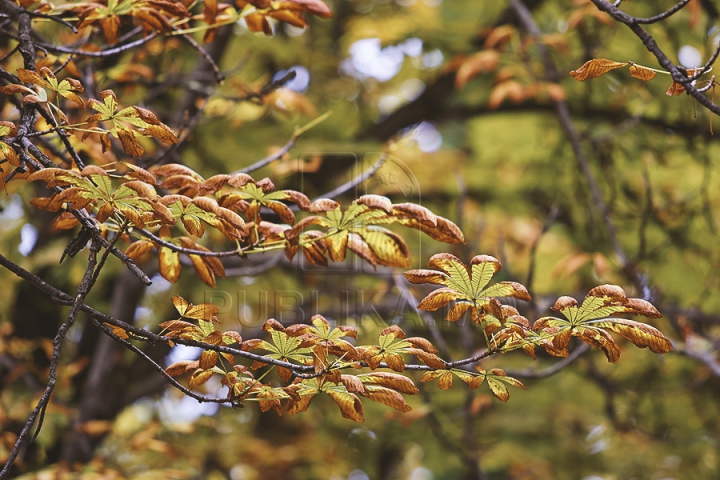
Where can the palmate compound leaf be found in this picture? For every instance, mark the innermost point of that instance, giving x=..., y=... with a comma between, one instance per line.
x=360, y=229
x=591, y=321
x=195, y=213
x=128, y=122
x=497, y=380
x=467, y=287
x=392, y=346
x=135, y=200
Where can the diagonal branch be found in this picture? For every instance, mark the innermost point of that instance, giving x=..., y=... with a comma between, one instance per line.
x=39, y=409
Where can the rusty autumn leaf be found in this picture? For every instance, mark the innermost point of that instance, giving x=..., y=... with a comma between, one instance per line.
x=471, y=67
x=643, y=73
x=594, y=68
x=108, y=15
x=288, y=11
x=592, y=321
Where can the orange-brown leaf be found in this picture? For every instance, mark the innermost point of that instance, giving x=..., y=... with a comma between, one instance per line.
x=594, y=68
x=439, y=298
x=350, y=405
x=643, y=73
x=183, y=366
x=208, y=359
x=391, y=380
x=641, y=334
x=388, y=397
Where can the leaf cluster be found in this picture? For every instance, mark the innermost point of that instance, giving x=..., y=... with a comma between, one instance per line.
x=310, y=358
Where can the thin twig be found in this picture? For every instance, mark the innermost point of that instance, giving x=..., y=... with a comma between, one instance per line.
x=553, y=369
x=269, y=159
x=200, y=398
x=219, y=77
x=39, y=409
x=56, y=19
x=359, y=179
x=563, y=113
x=662, y=16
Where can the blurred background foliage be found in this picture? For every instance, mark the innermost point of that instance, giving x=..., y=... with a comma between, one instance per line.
x=503, y=170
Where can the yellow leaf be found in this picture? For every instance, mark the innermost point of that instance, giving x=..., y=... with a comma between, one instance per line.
x=169, y=264
x=199, y=377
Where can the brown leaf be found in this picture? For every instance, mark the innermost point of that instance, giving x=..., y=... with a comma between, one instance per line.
x=388, y=397
x=208, y=359
x=183, y=366
x=390, y=380
x=499, y=36
x=395, y=362
x=174, y=325
x=352, y=383
x=483, y=61
x=642, y=307
x=65, y=221
x=376, y=201
x=230, y=337
x=425, y=276
x=498, y=389
x=457, y=311
x=422, y=343
x=429, y=359
x=511, y=89
x=641, y=334
x=323, y=205
x=285, y=374
x=299, y=405
x=394, y=330
x=643, y=73
x=601, y=340
x=563, y=303
x=439, y=298
x=594, y=68
x=129, y=143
